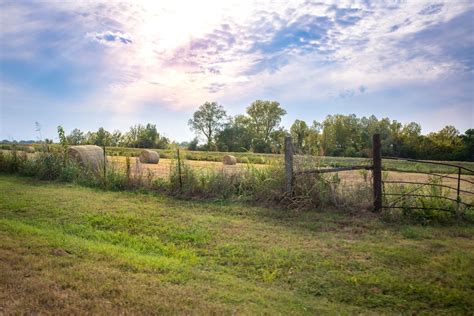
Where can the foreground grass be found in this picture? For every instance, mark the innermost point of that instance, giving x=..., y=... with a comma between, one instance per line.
x=69, y=249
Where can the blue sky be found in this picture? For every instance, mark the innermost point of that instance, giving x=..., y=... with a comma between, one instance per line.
x=115, y=64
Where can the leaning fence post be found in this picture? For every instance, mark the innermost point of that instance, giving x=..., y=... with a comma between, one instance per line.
x=377, y=172
x=179, y=173
x=288, y=165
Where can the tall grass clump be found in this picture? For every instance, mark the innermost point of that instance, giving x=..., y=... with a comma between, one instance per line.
x=10, y=162
x=328, y=189
x=54, y=164
x=250, y=183
x=263, y=184
x=43, y=165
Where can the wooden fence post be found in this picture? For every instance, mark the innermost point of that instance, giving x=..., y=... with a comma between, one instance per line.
x=179, y=172
x=377, y=172
x=288, y=165
x=458, y=191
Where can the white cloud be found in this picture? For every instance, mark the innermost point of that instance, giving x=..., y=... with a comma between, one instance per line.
x=180, y=53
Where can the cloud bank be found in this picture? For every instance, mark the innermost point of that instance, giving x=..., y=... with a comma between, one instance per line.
x=177, y=54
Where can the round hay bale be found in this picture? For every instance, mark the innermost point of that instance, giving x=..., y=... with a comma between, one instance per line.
x=88, y=156
x=229, y=160
x=149, y=156
x=30, y=149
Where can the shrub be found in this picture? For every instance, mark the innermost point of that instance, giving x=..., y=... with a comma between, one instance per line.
x=243, y=160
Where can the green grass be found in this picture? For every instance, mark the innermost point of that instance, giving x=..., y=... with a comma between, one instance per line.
x=69, y=249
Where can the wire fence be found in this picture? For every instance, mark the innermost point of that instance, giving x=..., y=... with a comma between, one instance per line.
x=373, y=182
x=166, y=166
x=391, y=189
x=431, y=191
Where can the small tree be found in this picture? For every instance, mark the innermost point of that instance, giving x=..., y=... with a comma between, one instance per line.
x=103, y=137
x=76, y=137
x=208, y=120
x=116, y=138
x=64, y=143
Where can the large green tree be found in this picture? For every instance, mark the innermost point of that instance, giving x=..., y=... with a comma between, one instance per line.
x=299, y=132
x=313, y=139
x=235, y=136
x=264, y=118
x=208, y=120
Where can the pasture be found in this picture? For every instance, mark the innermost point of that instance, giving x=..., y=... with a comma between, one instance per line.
x=67, y=249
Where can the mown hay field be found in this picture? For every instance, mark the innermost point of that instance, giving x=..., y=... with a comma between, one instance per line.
x=164, y=167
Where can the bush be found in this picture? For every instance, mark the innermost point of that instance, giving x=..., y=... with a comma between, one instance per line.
x=12, y=162
x=243, y=160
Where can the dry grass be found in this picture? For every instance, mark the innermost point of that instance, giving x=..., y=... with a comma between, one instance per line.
x=163, y=168
x=355, y=178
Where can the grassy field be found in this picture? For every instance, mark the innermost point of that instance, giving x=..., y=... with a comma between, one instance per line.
x=69, y=249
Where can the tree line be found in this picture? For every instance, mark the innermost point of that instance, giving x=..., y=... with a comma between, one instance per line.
x=259, y=130
x=138, y=136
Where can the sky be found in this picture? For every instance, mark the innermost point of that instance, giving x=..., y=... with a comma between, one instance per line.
x=111, y=64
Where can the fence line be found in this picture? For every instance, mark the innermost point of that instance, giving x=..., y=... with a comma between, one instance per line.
x=431, y=184
x=326, y=170
x=378, y=184
x=445, y=176
x=431, y=162
x=428, y=195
